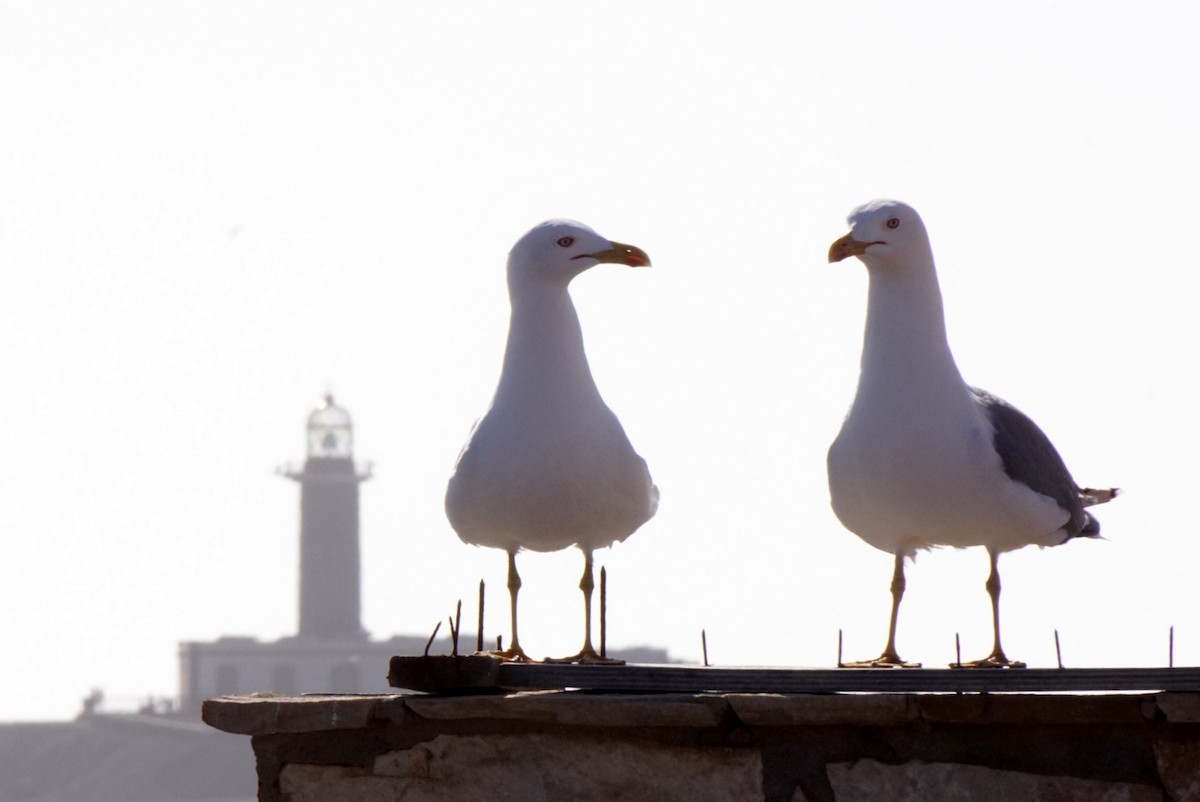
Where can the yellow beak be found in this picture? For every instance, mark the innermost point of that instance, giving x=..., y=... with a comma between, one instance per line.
x=846, y=247
x=622, y=254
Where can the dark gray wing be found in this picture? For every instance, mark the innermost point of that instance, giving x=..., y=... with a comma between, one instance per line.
x=1031, y=459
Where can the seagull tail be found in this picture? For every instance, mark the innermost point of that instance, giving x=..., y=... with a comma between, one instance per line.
x=1091, y=496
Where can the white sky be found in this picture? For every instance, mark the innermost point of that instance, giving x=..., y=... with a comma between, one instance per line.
x=212, y=212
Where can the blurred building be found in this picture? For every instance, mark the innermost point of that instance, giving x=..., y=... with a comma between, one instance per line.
x=331, y=652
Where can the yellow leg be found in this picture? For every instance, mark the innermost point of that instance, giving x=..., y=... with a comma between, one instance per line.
x=997, y=658
x=890, y=658
x=588, y=653
x=514, y=651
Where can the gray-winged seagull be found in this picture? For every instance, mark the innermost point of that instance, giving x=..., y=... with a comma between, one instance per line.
x=923, y=459
x=548, y=465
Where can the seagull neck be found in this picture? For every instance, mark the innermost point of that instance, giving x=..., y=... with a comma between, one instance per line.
x=545, y=341
x=906, y=327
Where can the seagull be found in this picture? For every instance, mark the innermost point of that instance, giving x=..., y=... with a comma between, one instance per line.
x=923, y=459
x=549, y=465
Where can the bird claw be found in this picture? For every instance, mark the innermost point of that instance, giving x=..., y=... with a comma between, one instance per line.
x=586, y=657
x=510, y=655
x=991, y=661
x=882, y=661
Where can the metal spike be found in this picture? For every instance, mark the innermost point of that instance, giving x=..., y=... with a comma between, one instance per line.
x=479, y=628
x=839, y=656
x=1058, y=649
x=429, y=642
x=1171, y=648
x=957, y=651
x=455, y=625
x=704, y=646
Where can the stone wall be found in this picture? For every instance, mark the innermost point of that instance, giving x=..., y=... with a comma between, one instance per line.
x=561, y=745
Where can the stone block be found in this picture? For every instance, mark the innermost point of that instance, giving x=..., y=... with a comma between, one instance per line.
x=785, y=710
x=1179, y=769
x=988, y=708
x=1179, y=708
x=540, y=768
x=268, y=714
x=870, y=780
x=577, y=709
x=305, y=783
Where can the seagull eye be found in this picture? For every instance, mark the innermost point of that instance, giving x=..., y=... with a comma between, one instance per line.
x=565, y=242
x=893, y=222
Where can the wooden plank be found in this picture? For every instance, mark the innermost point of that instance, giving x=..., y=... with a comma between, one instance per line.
x=408, y=672
x=445, y=673
x=694, y=679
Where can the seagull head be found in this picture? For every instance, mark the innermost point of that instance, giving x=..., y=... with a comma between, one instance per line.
x=559, y=250
x=883, y=233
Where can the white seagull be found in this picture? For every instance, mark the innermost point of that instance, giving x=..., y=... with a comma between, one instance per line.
x=548, y=465
x=922, y=459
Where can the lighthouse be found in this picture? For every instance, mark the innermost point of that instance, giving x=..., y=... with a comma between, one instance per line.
x=330, y=598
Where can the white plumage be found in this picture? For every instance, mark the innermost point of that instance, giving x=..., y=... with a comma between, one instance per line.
x=548, y=465
x=923, y=459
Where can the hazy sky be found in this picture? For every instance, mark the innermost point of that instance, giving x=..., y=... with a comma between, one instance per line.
x=211, y=213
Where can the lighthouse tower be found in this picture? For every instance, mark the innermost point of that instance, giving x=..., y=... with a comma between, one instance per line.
x=330, y=604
